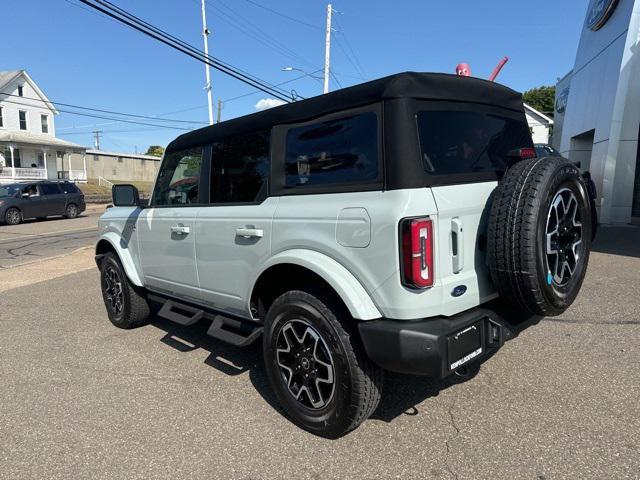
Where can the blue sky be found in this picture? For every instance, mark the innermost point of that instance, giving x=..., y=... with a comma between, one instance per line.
x=80, y=57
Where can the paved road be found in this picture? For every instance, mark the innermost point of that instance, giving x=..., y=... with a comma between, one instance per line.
x=82, y=399
x=38, y=239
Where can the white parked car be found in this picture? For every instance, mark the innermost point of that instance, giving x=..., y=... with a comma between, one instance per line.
x=364, y=230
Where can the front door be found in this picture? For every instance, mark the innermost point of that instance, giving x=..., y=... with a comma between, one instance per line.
x=233, y=236
x=166, y=229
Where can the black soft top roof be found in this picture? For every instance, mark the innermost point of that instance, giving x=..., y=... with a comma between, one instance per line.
x=425, y=86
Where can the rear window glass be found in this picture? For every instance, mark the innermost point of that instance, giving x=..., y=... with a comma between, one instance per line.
x=334, y=151
x=460, y=142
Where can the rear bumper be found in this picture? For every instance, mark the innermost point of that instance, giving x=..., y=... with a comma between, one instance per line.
x=421, y=347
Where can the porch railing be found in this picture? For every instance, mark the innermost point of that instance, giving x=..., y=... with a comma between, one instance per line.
x=23, y=173
x=103, y=182
x=73, y=175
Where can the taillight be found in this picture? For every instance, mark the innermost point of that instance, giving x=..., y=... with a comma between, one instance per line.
x=522, y=154
x=417, y=252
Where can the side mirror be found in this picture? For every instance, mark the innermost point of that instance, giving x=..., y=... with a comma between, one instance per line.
x=125, y=195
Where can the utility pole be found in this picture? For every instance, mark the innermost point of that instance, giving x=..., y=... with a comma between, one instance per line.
x=205, y=34
x=327, y=51
x=219, y=110
x=96, y=139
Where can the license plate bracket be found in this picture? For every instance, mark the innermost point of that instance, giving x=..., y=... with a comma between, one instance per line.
x=464, y=346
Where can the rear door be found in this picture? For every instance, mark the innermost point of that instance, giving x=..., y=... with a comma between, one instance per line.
x=54, y=201
x=233, y=233
x=166, y=229
x=465, y=149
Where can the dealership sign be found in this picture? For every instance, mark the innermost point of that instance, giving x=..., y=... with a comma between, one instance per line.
x=561, y=102
x=600, y=13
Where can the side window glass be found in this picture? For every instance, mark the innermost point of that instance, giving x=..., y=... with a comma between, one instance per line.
x=179, y=178
x=49, y=189
x=333, y=152
x=240, y=168
x=30, y=190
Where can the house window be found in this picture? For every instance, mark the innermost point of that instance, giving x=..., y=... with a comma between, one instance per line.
x=44, y=121
x=16, y=157
x=20, y=92
x=22, y=115
x=1, y=118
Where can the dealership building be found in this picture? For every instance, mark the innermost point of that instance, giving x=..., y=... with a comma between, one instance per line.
x=597, y=120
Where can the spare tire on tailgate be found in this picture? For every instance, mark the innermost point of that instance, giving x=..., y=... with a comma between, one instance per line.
x=539, y=235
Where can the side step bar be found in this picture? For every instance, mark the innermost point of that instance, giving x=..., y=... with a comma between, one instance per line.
x=235, y=331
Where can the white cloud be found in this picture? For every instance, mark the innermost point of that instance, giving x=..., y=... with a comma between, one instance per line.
x=265, y=103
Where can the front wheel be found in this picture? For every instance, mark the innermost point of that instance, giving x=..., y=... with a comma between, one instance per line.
x=13, y=216
x=126, y=306
x=316, y=364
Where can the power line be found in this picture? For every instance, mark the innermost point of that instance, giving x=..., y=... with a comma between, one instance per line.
x=255, y=32
x=101, y=110
x=134, y=22
x=71, y=112
x=357, y=65
x=284, y=15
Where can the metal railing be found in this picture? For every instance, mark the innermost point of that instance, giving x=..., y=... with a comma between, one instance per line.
x=20, y=173
x=77, y=176
x=103, y=182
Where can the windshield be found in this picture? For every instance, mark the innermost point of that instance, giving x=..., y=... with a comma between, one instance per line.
x=460, y=142
x=9, y=190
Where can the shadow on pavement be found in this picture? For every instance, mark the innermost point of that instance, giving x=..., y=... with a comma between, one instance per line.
x=618, y=240
x=401, y=393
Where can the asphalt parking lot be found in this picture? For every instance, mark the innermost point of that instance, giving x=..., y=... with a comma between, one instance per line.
x=35, y=240
x=82, y=399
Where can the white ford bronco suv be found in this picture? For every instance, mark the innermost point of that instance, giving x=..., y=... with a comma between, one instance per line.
x=374, y=228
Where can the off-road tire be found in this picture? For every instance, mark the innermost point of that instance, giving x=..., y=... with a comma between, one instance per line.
x=13, y=216
x=71, y=211
x=517, y=235
x=134, y=311
x=357, y=381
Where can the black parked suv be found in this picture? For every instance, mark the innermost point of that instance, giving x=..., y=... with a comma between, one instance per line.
x=19, y=201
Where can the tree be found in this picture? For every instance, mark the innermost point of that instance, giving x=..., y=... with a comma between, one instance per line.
x=542, y=99
x=155, y=150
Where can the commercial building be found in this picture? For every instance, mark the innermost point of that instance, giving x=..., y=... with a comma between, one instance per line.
x=597, y=120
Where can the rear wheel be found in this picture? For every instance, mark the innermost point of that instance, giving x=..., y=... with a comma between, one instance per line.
x=317, y=365
x=71, y=211
x=126, y=305
x=13, y=216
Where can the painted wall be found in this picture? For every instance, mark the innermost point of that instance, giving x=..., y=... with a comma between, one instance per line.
x=34, y=109
x=121, y=167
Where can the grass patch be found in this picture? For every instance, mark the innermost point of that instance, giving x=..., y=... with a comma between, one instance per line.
x=92, y=187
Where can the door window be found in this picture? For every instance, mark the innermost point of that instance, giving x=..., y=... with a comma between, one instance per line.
x=49, y=189
x=332, y=152
x=241, y=169
x=179, y=178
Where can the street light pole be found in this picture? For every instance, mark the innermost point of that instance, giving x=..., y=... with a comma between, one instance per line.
x=327, y=51
x=205, y=34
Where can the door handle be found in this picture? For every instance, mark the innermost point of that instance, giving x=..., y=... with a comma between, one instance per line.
x=247, y=232
x=457, y=245
x=180, y=229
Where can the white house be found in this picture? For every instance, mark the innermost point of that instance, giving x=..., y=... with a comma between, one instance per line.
x=29, y=149
x=539, y=123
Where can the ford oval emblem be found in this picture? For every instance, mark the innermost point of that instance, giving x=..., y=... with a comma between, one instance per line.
x=600, y=13
x=459, y=291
